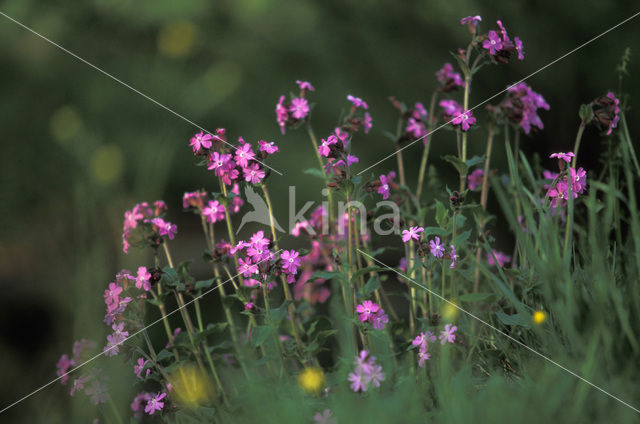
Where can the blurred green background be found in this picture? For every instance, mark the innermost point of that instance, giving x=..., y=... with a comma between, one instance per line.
x=78, y=148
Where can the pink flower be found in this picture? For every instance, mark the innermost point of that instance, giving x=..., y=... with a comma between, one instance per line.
x=351, y=160
x=253, y=173
x=357, y=102
x=165, y=228
x=500, y=257
x=436, y=248
x=282, y=116
x=358, y=381
x=475, y=179
x=246, y=268
x=304, y=85
x=451, y=107
x=563, y=156
x=474, y=20
x=220, y=163
x=423, y=355
x=578, y=180
x=78, y=384
x=269, y=147
x=214, y=211
x=324, y=148
x=111, y=295
x=136, y=405
x=290, y=261
x=367, y=123
x=493, y=43
x=244, y=154
x=137, y=369
x=385, y=181
x=325, y=417
x=380, y=319
x=249, y=306
x=453, y=257
x=64, y=363
x=519, y=48
x=448, y=334
x=449, y=79
x=614, y=107
x=299, y=108
x=412, y=233
x=200, y=141
x=154, y=403
x=465, y=120
x=415, y=128
x=142, y=279
x=367, y=310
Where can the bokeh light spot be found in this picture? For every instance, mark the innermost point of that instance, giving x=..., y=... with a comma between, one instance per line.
x=176, y=39
x=106, y=163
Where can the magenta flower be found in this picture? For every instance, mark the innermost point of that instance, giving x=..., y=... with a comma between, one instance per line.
x=253, y=173
x=474, y=20
x=448, y=79
x=519, y=48
x=269, y=147
x=416, y=128
x=563, y=156
x=244, y=154
x=493, y=43
x=299, y=108
x=304, y=85
x=423, y=355
x=237, y=201
x=615, y=108
x=324, y=148
x=500, y=257
x=351, y=160
x=451, y=107
x=436, y=248
x=111, y=295
x=165, y=228
x=367, y=310
x=380, y=320
x=155, y=403
x=290, y=261
x=220, y=163
x=376, y=376
x=246, y=268
x=326, y=417
x=385, y=181
x=357, y=102
x=214, y=211
x=412, y=233
x=63, y=365
x=282, y=116
x=200, y=141
x=475, y=179
x=465, y=120
x=142, y=279
x=367, y=124
x=420, y=340
x=578, y=180
x=521, y=106
x=453, y=257
x=358, y=381
x=136, y=405
x=137, y=369
x=448, y=335
x=78, y=384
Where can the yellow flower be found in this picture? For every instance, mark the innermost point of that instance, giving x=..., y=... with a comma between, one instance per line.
x=539, y=317
x=190, y=387
x=311, y=379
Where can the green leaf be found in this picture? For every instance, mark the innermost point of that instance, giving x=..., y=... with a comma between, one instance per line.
x=259, y=334
x=164, y=354
x=372, y=285
x=278, y=314
x=457, y=163
x=441, y=213
x=315, y=172
x=475, y=297
x=205, y=284
x=515, y=319
x=475, y=161
x=365, y=270
x=435, y=231
x=326, y=275
x=586, y=113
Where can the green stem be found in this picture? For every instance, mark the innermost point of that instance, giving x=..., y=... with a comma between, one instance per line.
x=314, y=141
x=427, y=145
x=483, y=201
x=467, y=85
x=576, y=145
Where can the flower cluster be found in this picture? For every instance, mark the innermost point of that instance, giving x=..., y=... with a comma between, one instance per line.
x=520, y=107
x=607, y=111
x=500, y=258
x=144, y=224
x=448, y=79
x=372, y=313
x=569, y=180
x=292, y=113
x=150, y=402
x=366, y=373
x=475, y=179
x=435, y=247
x=500, y=47
x=385, y=184
x=417, y=122
x=92, y=382
x=422, y=341
x=239, y=163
